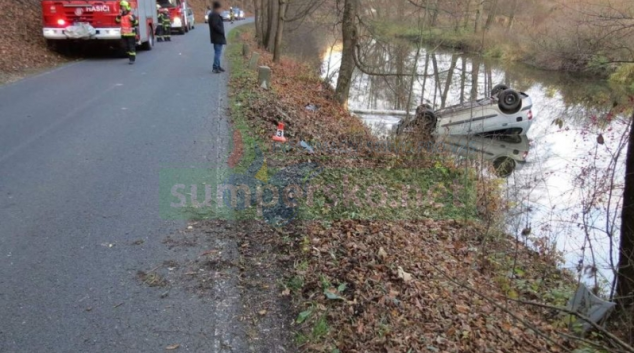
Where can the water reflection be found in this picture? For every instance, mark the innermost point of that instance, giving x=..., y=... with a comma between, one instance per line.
x=505, y=152
x=555, y=189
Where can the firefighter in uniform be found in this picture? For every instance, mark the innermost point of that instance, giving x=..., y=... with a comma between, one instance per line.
x=166, y=23
x=160, y=33
x=128, y=22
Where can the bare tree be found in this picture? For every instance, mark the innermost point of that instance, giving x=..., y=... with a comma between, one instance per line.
x=512, y=15
x=277, y=49
x=479, y=11
x=349, y=29
x=625, y=284
x=272, y=24
x=493, y=11
x=256, y=12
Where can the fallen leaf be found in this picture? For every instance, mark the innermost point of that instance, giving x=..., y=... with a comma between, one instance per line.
x=330, y=295
x=463, y=309
x=342, y=287
x=209, y=252
x=406, y=277
x=303, y=316
x=262, y=312
x=382, y=253
x=172, y=347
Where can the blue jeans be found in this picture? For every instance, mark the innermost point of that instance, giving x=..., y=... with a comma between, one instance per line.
x=217, y=55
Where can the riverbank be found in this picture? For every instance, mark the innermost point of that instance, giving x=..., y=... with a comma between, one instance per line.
x=537, y=50
x=366, y=273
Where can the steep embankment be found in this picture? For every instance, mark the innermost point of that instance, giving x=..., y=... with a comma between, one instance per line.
x=370, y=273
x=22, y=48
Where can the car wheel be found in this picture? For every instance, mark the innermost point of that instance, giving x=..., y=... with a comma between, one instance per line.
x=509, y=101
x=504, y=166
x=420, y=126
x=498, y=88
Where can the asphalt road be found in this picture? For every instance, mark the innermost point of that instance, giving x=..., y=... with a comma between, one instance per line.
x=81, y=148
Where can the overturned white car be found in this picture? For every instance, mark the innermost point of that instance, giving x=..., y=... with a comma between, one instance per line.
x=505, y=112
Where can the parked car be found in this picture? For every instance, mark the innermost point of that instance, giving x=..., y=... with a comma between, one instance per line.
x=226, y=15
x=191, y=20
x=505, y=111
x=239, y=14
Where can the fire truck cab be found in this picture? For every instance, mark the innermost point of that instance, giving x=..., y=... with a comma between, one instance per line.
x=72, y=20
x=178, y=14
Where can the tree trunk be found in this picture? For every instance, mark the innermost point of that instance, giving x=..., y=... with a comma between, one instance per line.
x=493, y=11
x=625, y=276
x=475, y=75
x=467, y=14
x=437, y=89
x=349, y=30
x=434, y=13
x=476, y=25
x=452, y=67
x=463, y=78
x=277, y=50
x=273, y=14
x=422, y=91
x=264, y=23
x=256, y=12
x=399, y=89
x=512, y=16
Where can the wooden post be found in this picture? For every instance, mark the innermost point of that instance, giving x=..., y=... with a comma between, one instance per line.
x=264, y=77
x=246, y=50
x=253, y=64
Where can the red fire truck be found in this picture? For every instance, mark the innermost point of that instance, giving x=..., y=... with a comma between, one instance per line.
x=178, y=14
x=68, y=21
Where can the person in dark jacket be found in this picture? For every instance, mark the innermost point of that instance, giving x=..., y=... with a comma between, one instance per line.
x=217, y=34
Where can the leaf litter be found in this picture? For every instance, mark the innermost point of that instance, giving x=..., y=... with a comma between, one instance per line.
x=420, y=285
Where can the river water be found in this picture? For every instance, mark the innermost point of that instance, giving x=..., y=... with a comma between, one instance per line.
x=566, y=182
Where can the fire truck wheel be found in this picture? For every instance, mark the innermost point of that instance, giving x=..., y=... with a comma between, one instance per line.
x=150, y=40
x=59, y=46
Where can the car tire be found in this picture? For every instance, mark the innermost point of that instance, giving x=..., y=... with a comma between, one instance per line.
x=498, y=88
x=504, y=166
x=509, y=101
x=423, y=123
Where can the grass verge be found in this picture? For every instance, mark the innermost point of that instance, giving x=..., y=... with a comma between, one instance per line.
x=436, y=276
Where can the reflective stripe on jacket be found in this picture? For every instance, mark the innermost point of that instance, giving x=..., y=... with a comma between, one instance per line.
x=128, y=24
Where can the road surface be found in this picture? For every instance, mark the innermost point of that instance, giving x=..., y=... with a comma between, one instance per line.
x=81, y=148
